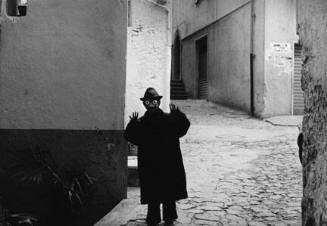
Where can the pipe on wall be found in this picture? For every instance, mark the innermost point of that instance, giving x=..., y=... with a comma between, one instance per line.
x=252, y=58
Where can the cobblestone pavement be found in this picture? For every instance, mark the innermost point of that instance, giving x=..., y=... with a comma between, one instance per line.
x=240, y=170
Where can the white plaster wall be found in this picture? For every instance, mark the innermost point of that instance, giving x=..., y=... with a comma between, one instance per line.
x=189, y=17
x=63, y=66
x=148, y=55
x=280, y=28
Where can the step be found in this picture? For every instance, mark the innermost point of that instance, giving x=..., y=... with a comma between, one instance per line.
x=178, y=98
x=178, y=95
x=177, y=86
x=177, y=90
x=133, y=177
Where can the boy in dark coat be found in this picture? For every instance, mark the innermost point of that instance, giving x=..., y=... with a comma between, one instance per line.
x=160, y=164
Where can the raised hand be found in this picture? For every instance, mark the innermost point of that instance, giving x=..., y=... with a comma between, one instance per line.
x=134, y=116
x=173, y=108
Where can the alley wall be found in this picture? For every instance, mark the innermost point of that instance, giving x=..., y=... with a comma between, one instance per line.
x=280, y=36
x=189, y=17
x=62, y=89
x=229, y=34
x=240, y=32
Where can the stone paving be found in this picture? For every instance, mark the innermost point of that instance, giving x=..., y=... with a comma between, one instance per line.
x=240, y=170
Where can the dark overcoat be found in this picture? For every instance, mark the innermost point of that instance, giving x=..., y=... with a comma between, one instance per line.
x=160, y=164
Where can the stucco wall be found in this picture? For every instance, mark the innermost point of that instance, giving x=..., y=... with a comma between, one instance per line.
x=62, y=89
x=189, y=17
x=259, y=57
x=148, y=54
x=63, y=66
x=228, y=60
x=280, y=29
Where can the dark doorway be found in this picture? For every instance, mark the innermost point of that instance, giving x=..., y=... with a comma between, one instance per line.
x=176, y=75
x=201, y=51
x=298, y=99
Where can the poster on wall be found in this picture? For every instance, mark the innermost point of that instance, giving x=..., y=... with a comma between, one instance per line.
x=280, y=56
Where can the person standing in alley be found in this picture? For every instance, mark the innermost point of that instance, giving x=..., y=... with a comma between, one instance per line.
x=160, y=163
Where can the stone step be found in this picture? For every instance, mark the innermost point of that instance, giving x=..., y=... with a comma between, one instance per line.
x=133, y=178
x=177, y=90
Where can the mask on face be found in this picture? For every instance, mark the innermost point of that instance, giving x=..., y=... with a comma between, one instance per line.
x=151, y=105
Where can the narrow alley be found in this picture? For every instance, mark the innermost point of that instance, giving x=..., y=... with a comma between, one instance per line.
x=240, y=170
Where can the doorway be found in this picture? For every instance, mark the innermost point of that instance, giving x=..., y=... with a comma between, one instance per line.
x=201, y=52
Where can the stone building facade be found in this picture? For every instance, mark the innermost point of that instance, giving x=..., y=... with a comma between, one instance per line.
x=62, y=89
x=238, y=53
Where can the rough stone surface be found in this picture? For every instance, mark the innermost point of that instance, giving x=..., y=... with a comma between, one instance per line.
x=240, y=170
x=313, y=35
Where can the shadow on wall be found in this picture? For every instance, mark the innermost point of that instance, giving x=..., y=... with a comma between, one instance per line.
x=62, y=177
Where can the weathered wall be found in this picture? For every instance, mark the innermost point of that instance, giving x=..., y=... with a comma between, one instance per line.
x=258, y=49
x=62, y=73
x=189, y=17
x=228, y=60
x=313, y=37
x=148, y=54
x=280, y=36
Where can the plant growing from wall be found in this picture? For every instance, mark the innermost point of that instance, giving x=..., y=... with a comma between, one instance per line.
x=71, y=188
x=17, y=219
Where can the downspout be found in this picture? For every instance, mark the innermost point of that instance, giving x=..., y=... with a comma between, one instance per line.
x=252, y=58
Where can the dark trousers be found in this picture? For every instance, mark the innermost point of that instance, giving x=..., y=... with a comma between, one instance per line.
x=168, y=211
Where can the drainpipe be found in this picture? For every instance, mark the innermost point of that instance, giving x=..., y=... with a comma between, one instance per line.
x=252, y=58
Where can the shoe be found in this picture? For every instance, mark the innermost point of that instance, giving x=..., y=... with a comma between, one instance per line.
x=152, y=223
x=169, y=223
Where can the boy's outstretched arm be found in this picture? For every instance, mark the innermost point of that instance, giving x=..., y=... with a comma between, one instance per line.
x=132, y=132
x=179, y=121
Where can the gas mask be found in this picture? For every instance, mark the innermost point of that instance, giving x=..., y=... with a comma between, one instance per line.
x=151, y=105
